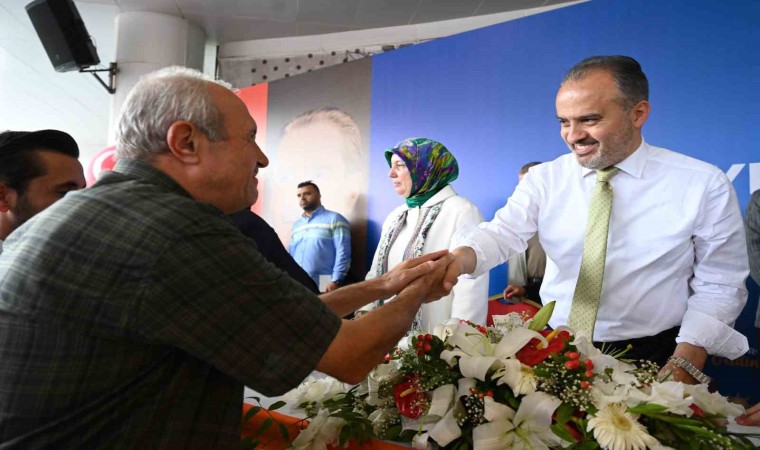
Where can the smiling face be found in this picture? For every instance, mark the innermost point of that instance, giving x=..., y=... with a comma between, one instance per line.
x=594, y=124
x=234, y=162
x=402, y=178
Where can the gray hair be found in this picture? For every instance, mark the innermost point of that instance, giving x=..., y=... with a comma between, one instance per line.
x=340, y=119
x=159, y=99
x=626, y=71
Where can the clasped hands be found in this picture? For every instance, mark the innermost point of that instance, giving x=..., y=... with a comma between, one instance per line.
x=428, y=277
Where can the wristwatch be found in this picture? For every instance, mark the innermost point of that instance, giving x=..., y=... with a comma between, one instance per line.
x=683, y=363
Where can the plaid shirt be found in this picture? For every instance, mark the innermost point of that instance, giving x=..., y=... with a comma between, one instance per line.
x=131, y=315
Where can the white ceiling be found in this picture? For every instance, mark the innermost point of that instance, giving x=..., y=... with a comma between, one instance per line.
x=34, y=96
x=242, y=20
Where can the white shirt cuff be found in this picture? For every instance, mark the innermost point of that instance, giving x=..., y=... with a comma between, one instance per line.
x=465, y=237
x=713, y=335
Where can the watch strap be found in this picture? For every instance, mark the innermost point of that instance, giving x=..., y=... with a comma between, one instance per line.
x=688, y=367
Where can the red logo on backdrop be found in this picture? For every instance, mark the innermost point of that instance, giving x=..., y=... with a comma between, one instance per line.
x=103, y=160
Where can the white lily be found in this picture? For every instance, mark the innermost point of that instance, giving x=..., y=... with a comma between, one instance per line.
x=381, y=417
x=465, y=385
x=517, y=376
x=466, y=341
x=316, y=391
x=322, y=430
x=477, y=355
x=442, y=401
x=446, y=329
x=446, y=430
x=712, y=402
x=672, y=395
x=604, y=393
x=383, y=373
x=602, y=361
x=528, y=428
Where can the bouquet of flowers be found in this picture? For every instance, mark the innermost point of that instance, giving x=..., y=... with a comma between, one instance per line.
x=515, y=385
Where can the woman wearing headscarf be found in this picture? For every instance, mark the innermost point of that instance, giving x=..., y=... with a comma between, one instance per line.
x=421, y=171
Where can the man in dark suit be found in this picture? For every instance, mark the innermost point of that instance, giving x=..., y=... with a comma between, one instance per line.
x=270, y=246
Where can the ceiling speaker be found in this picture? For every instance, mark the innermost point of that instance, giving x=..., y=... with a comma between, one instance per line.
x=63, y=34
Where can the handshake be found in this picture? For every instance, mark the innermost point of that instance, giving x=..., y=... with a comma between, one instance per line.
x=426, y=278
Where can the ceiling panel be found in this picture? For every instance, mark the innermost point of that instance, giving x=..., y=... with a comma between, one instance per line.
x=14, y=22
x=435, y=10
x=385, y=13
x=231, y=29
x=327, y=12
x=214, y=8
x=497, y=6
x=308, y=29
x=282, y=10
x=156, y=6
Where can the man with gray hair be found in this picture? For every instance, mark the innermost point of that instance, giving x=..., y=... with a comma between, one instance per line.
x=133, y=313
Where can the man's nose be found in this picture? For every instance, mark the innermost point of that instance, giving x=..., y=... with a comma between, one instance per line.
x=262, y=160
x=575, y=133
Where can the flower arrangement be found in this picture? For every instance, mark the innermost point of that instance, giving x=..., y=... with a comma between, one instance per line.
x=515, y=385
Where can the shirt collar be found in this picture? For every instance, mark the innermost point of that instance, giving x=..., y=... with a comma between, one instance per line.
x=633, y=165
x=144, y=171
x=316, y=212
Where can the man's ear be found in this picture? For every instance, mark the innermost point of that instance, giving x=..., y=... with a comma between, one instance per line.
x=7, y=197
x=183, y=140
x=640, y=113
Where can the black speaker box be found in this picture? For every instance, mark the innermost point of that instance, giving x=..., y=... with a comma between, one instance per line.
x=63, y=34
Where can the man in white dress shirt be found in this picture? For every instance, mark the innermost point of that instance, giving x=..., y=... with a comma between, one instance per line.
x=676, y=258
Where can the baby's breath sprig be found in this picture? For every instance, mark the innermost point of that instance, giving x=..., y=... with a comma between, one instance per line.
x=567, y=377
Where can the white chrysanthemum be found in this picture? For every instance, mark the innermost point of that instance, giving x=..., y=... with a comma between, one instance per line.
x=616, y=429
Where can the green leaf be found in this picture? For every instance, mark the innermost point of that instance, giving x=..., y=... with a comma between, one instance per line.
x=562, y=432
x=277, y=405
x=564, y=413
x=251, y=412
x=588, y=445
x=407, y=435
x=264, y=426
x=542, y=317
x=258, y=400
x=248, y=443
x=283, y=431
x=647, y=408
x=393, y=432
x=345, y=434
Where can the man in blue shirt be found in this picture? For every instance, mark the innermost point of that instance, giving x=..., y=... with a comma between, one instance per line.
x=321, y=240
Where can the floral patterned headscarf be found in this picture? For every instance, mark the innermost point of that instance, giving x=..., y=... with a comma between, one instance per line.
x=430, y=164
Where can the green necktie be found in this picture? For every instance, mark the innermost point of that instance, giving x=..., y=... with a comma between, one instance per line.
x=589, y=286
